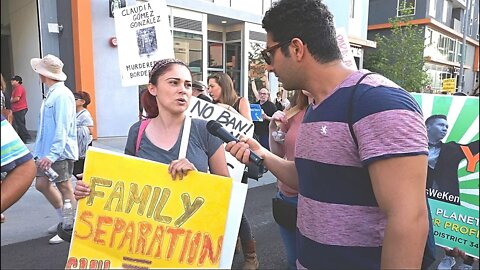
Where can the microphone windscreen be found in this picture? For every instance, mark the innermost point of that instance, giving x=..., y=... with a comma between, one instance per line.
x=213, y=126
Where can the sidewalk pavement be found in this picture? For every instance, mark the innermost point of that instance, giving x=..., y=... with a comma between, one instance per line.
x=32, y=215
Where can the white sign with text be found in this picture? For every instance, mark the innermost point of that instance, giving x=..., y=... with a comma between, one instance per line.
x=231, y=120
x=143, y=36
x=345, y=49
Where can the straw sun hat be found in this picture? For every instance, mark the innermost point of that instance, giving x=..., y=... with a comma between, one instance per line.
x=49, y=66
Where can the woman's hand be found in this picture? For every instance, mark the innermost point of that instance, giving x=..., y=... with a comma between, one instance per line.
x=180, y=167
x=81, y=190
x=277, y=118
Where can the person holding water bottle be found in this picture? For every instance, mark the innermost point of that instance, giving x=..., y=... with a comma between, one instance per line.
x=56, y=144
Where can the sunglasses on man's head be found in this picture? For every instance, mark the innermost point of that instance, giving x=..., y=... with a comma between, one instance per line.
x=269, y=52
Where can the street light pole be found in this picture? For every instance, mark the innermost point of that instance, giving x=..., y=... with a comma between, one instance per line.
x=466, y=19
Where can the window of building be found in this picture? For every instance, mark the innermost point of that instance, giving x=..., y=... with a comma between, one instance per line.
x=352, y=9
x=433, y=8
x=234, y=63
x=188, y=48
x=429, y=37
x=459, y=51
x=447, y=48
x=470, y=31
x=436, y=74
x=215, y=56
x=405, y=7
x=445, y=11
x=441, y=44
x=451, y=50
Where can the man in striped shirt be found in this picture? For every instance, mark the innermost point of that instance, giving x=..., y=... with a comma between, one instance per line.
x=17, y=166
x=361, y=160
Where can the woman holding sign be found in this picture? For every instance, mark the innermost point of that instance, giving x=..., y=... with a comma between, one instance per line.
x=167, y=135
x=220, y=88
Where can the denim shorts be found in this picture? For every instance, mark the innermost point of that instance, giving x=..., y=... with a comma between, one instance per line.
x=64, y=168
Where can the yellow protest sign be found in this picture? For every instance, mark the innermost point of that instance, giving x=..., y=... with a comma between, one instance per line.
x=449, y=85
x=138, y=217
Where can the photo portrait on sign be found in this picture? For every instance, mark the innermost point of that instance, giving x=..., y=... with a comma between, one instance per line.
x=114, y=5
x=444, y=159
x=146, y=41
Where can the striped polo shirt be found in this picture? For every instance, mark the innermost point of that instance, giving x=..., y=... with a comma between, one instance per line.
x=14, y=151
x=340, y=225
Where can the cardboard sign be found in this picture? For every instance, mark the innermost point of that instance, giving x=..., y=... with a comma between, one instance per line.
x=256, y=112
x=138, y=217
x=345, y=49
x=453, y=183
x=143, y=36
x=231, y=120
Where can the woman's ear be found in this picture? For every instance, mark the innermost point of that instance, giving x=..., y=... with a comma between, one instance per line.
x=152, y=89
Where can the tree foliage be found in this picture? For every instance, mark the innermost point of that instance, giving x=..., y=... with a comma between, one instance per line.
x=399, y=56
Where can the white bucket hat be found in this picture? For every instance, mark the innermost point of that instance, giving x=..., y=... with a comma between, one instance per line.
x=49, y=66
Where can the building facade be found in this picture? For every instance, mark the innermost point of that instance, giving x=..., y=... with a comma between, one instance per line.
x=441, y=22
x=209, y=35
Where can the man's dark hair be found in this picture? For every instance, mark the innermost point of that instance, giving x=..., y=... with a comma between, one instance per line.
x=433, y=117
x=308, y=20
x=17, y=78
x=84, y=96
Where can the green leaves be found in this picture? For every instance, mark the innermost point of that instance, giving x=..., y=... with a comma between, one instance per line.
x=399, y=55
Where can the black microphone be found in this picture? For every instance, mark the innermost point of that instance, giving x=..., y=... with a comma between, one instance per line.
x=217, y=130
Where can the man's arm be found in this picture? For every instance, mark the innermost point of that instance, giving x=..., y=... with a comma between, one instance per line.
x=399, y=187
x=16, y=94
x=255, y=91
x=284, y=170
x=16, y=183
x=63, y=117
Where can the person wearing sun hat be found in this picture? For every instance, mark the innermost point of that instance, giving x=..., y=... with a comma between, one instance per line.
x=56, y=143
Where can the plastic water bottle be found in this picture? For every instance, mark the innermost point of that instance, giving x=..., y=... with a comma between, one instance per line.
x=50, y=173
x=68, y=215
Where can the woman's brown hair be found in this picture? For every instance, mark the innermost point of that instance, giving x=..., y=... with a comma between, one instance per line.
x=228, y=96
x=299, y=99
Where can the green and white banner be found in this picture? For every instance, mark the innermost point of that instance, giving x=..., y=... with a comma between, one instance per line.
x=453, y=174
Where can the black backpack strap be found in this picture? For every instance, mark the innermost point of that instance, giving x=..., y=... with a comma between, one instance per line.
x=350, y=107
